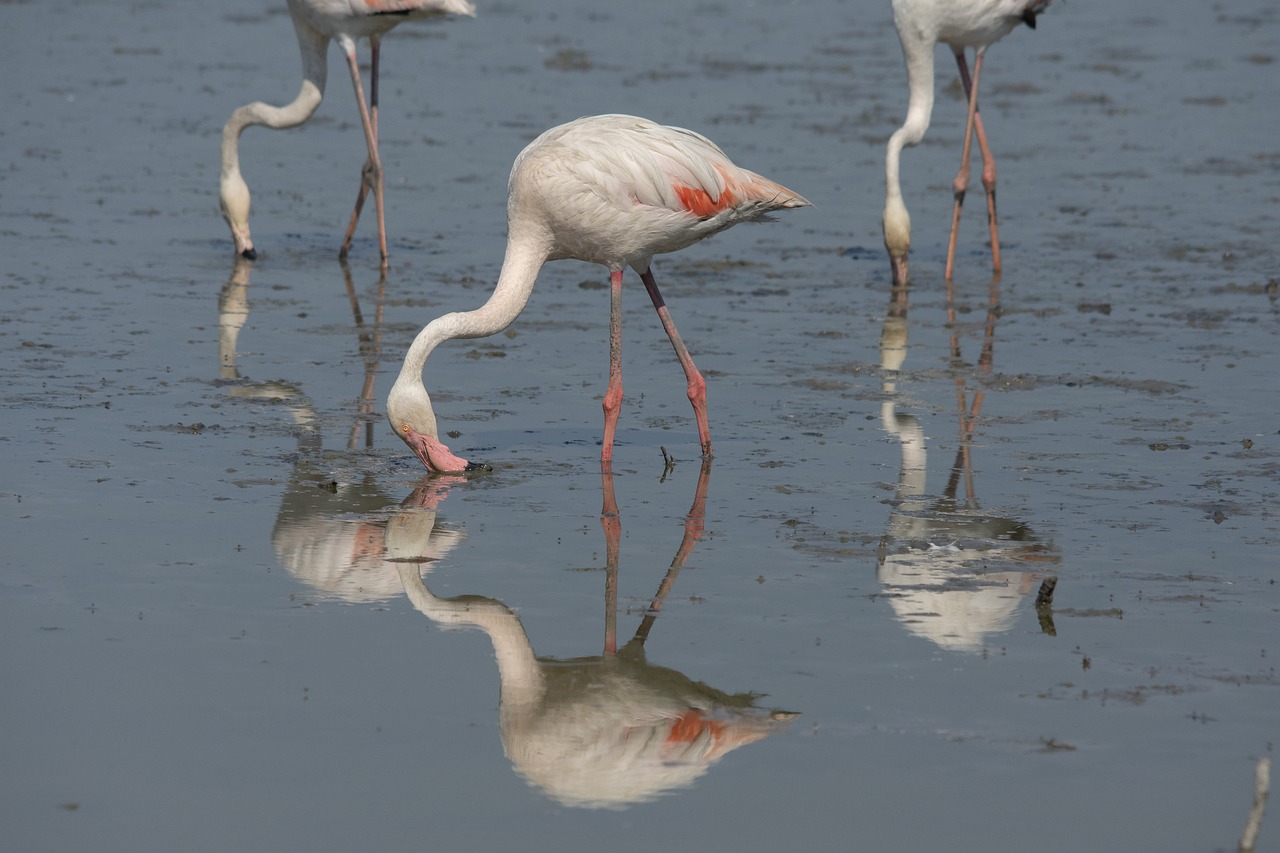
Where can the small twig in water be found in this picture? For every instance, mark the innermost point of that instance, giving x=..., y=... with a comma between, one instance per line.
x=668, y=463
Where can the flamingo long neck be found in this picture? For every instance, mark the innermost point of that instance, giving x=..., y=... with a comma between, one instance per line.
x=518, y=671
x=917, y=50
x=519, y=271
x=313, y=47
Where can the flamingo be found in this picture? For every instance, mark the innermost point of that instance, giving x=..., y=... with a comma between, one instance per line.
x=316, y=23
x=959, y=24
x=613, y=190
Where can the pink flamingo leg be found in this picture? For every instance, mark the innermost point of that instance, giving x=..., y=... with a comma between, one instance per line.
x=973, y=124
x=697, y=385
x=988, y=170
x=613, y=394
x=371, y=176
x=366, y=171
x=611, y=521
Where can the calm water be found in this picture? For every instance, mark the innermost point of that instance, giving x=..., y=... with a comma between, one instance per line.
x=987, y=570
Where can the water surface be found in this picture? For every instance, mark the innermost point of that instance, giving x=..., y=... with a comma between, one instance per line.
x=984, y=568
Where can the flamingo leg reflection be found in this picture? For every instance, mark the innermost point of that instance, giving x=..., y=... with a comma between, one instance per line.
x=611, y=522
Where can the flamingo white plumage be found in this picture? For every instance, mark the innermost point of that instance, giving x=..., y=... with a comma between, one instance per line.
x=613, y=190
x=959, y=24
x=316, y=23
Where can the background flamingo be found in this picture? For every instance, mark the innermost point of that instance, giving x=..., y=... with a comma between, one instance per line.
x=614, y=190
x=316, y=22
x=959, y=24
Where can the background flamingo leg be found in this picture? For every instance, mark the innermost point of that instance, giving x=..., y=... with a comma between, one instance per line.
x=371, y=177
x=989, y=183
x=961, y=182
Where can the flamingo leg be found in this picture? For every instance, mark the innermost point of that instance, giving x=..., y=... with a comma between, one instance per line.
x=371, y=177
x=973, y=124
x=613, y=394
x=988, y=179
x=611, y=521
x=697, y=385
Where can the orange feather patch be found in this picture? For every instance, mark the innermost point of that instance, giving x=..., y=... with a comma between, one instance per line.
x=690, y=725
x=699, y=202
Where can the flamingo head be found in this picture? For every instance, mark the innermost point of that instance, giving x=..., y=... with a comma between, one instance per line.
x=414, y=421
x=897, y=236
x=235, y=209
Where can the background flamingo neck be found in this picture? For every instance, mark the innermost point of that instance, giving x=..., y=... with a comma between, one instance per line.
x=917, y=50
x=918, y=53
x=312, y=46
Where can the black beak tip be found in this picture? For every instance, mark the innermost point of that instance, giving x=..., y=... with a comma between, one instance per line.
x=250, y=254
x=1029, y=18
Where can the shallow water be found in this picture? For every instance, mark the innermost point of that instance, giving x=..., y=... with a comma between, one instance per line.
x=983, y=570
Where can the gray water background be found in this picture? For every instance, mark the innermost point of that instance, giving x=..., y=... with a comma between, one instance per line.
x=206, y=649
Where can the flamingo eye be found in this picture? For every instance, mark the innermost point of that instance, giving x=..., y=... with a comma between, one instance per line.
x=404, y=428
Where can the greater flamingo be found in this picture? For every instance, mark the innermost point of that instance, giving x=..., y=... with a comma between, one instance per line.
x=614, y=190
x=316, y=23
x=959, y=24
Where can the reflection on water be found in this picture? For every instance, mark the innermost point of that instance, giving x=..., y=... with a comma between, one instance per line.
x=233, y=313
x=602, y=731
x=326, y=532
x=333, y=536
x=370, y=352
x=948, y=568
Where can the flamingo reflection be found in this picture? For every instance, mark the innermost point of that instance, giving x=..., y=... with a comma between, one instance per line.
x=595, y=732
x=328, y=532
x=233, y=313
x=333, y=536
x=950, y=570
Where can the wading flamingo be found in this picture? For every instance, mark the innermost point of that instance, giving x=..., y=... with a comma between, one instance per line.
x=316, y=23
x=614, y=190
x=959, y=24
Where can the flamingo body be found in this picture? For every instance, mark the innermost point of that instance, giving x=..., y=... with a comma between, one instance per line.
x=614, y=190
x=617, y=190
x=316, y=23
x=961, y=25
x=362, y=19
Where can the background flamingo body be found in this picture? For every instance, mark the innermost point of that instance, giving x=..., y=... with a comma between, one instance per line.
x=316, y=22
x=959, y=24
x=613, y=190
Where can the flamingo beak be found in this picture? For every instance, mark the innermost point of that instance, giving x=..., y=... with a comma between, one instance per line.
x=435, y=456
